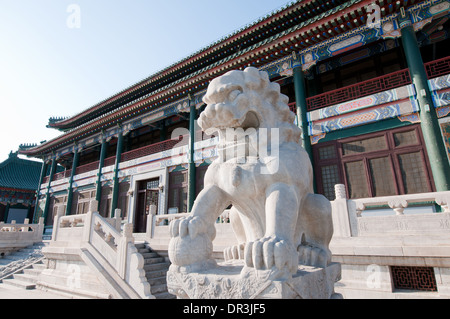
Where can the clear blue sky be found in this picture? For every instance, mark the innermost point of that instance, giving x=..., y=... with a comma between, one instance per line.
x=48, y=67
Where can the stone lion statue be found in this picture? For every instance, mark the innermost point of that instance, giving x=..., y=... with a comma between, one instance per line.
x=265, y=174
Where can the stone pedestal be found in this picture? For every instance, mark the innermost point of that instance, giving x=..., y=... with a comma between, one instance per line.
x=234, y=281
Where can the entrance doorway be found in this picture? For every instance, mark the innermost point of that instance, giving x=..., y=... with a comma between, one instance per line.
x=147, y=195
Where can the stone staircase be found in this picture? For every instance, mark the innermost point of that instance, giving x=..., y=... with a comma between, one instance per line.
x=21, y=268
x=156, y=268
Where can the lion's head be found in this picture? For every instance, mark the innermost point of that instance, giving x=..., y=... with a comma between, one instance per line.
x=247, y=99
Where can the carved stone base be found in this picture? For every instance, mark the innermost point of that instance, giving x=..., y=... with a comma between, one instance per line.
x=234, y=281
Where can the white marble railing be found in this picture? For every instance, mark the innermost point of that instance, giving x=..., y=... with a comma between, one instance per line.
x=13, y=234
x=105, y=236
x=399, y=214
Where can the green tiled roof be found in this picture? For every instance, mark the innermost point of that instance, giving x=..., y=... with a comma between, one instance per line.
x=19, y=173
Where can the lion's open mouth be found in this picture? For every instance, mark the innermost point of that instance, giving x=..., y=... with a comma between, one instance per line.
x=238, y=137
x=227, y=121
x=250, y=121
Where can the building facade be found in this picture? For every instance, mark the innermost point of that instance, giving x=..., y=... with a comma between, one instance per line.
x=368, y=80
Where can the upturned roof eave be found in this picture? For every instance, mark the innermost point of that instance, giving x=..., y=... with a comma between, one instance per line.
x=203, y=75
x=71, y=122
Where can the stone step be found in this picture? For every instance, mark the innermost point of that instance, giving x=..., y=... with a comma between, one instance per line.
x=19, y=283
x=159, y=266
x=143, y=250
x=25, y=278
x=32, y=271
x=156, y=273
x=157, y=280
x=39, y=265
x=149, y=255
x=154, y=260
x=164, y=295
x=158, y=288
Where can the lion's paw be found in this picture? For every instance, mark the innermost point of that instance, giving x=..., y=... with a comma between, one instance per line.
x=191, y=242
x=234, y=252
x=313, y=256
x=271, y=252
x=190, y=226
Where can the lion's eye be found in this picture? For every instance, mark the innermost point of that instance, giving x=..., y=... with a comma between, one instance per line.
x=233, y=95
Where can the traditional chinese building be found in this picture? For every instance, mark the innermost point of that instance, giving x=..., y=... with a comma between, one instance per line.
x=369, y=81
x=19, y=179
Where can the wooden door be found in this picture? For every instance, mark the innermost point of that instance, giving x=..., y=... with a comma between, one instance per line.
x=147, y=195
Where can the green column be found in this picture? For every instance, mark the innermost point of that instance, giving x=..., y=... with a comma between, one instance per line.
x=101, y=162
x=192, y=177
x=41, y=179
x=115, y=197
x=163, y=132
x=6, y=212
x=47, y=197
x=70, y=188
x=428, y=117
x=300, y=99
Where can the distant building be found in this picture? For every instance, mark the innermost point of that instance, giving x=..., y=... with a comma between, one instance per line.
x=19, y=180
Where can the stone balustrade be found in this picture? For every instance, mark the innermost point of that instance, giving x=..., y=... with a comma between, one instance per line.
x=102, y=245
x=15, y=236
x=372, y=235
x=422, y=213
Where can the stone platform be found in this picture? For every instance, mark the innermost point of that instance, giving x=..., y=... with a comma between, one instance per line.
x=229, y=281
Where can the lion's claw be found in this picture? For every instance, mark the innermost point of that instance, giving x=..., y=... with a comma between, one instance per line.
x=314, y=256
x=190, y=226
x=271, y=252
x=234, y=252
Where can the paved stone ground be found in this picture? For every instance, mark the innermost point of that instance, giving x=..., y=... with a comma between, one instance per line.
x=10, y=292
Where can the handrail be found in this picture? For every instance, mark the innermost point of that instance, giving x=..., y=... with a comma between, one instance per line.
x=116, y=248
x=375, y=85
x=438, y=67
x=152, y=149
x=22, y=232
x=350, y=218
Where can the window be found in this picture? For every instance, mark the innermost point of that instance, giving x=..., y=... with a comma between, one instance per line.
x=55, y=203
x=122, y=201
x=178, y=188
x=105, y=203
x=83, y=202
x=378, y=164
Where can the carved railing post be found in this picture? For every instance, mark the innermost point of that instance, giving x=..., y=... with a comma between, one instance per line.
x=25, y=222
x=340, y=192
x=118, y=219
x=443, y=200
x=60, y=212
x=340, y=212
x=398, y=205
x=88, y=225
x=150, y=221
x=122, y=250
